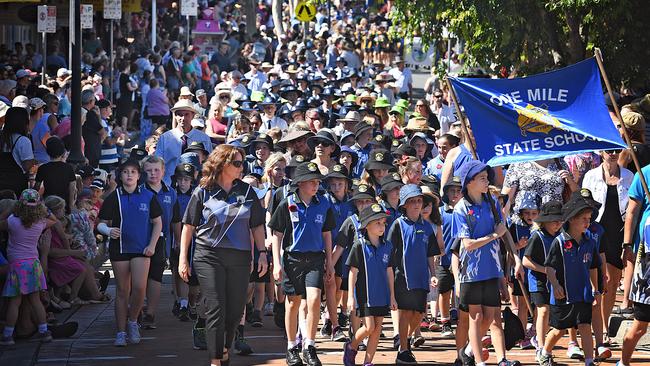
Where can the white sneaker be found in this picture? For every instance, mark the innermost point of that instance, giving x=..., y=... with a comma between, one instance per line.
x=574, y=352
x=268, y=309
x=133, y=330
x=120, y=339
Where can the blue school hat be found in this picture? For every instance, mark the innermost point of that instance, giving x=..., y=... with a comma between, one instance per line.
x=190, y=158
x=469, y=170
x=408, y=191
x=528, y=201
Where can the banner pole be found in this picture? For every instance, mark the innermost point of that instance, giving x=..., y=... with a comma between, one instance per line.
x=507, y=238
x=599, y=59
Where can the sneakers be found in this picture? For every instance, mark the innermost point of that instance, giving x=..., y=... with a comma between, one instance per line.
x=256, y=319
x=546, y=360
x=505, y=362
x=349, y=355
x=603, y=353
x=120, y=339
x=338, y=335
x=574, y=352
x=7, y=341
x=405, y=358
x=241, y=347
x=176, y=308
x=133, y=330
x=293, y=357
x=198, y=335
x=326, y=329
x=535, y=343
x=433, y=326
x=396, y=341
x=425, y=324
x=268, y=309
x=446, y=331
x=184, y=314
x=343, y=319
x=148, y=321
x=526, y=344
x=310, y=356
x=417, y=341
x=467, y=360
x=42, y=337
x=486, y=341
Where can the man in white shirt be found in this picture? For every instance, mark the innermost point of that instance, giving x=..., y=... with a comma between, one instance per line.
x=239, y=91
x=444, y=112
x=269, y=119
x=403, y=78
x=255, y=75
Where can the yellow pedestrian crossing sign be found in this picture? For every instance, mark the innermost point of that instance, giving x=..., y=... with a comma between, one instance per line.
x=305, y=11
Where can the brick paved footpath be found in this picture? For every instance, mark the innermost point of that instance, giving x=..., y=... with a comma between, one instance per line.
x=171, y=344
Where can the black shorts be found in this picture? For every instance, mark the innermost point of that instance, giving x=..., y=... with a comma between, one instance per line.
x=344, y=284
x=365, y=311
x=415, y=300
x=540, y=298
x=193, y=280
x=115, y=256
x=158, y=261
x=302, y=270
x=445, y=279
x=642, y=312
x=255, y=278
x=570, y=315
x=484, y=293
x=516, y=289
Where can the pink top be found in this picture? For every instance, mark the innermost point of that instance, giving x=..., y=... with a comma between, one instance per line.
x=23, y=242
x=217, y=127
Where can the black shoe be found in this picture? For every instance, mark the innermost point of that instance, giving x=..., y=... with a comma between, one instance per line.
x=148, y=321
x=338, y=335
x=343, y=320
x=184, y=314
x=256, y=319
x=326, y=330
x=467, y=360
x=242, y=348
x=310, y=356
x=64, y=330
x=405, y=358
x=103, y=282
x=176, y=309
x=249, y=312
x=293, y=357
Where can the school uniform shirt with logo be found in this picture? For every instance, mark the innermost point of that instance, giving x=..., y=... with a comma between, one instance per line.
x=572, y=262
x=414, y=242
x=223, y=220
x=473, y=221
x=348, y=234
x=392, y=212
x=640, y=291
x=168, y=201
x=539, y=244
x=371, y=288
x=303, y=225
x=342, y=210
x=447, y=215
x=132, y=214
x=253, y=165
x=364, y=155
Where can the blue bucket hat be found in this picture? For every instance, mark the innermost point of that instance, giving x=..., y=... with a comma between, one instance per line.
x=408, y=191
x=469, y=170
x=528, y=201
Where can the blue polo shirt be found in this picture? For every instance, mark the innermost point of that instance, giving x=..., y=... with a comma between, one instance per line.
x=434, y=167
x=640, y=290
x=539, y=244
x=303, y=224
x=342, y=210
x=636, y=192
x=572, y=261
x=393, y=213
x=413, y=243
x=447, y=215
x=348, y=234
x=473, y=221
x=168, y=201
x=371, y=288
x=364, y=155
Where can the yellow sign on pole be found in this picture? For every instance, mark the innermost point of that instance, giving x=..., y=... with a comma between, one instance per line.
x=305, y=11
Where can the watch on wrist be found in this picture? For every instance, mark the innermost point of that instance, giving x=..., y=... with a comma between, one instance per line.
x=627, y=245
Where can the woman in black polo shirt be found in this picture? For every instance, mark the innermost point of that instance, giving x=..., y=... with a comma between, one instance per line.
x=223, y=212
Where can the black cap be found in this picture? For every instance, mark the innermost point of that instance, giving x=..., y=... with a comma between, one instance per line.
x=361, y=127
x=372, y=213
x=184, y=170
x=307, y=171
x=432, y=182
x=263, y=138
x=138, y=153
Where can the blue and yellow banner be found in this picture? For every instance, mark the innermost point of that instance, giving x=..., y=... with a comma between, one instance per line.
x=538, y=117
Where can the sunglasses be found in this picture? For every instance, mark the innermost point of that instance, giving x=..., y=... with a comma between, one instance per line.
x=181, y=114
x=224, y=97
x=324, y=143
x=237, y=163
x=614, y=151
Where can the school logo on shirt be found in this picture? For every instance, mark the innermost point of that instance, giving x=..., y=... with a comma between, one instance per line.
x=586, y=258
x=167, y=200
x=143, y=207
x=385, y=259
x=319, y=219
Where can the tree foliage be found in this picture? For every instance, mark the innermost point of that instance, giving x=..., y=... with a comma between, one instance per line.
x=538, y=35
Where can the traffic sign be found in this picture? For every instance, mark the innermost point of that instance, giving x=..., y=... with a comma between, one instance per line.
x=305, y=11
x=46, y=19
x=86, y=16
x=189, y=8
x=112, y=9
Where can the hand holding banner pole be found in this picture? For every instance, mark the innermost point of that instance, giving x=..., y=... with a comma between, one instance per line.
x=507, y=238
x=599, y=60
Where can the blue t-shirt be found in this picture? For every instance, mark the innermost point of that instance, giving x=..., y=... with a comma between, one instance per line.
x=640, y=290
x=40, y=134
x=434, y=167
x=473, y=221
x=636, y=192
x=448, y=237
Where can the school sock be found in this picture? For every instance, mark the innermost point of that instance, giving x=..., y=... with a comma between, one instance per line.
x=183, y=303
x=291, y=344
x=620, y=363
x=307, y=343
x=480, y=364
x=8, y=331
x=42, y=328
x=303, y=327
x=545, y=353
x=468, y=350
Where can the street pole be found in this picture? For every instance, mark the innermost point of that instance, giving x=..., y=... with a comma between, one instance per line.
x=76, y=156
x=154, y=20
x=112, y=65
x=187, y=46
x=43, y=67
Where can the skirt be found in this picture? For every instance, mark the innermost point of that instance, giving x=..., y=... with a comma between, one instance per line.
x=25, y=277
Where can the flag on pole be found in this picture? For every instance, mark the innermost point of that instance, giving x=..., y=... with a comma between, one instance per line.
x=538, y=117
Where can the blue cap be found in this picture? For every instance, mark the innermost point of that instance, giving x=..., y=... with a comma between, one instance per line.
x=469, y=170
x=408, y=191
x=528, y=201
x=190, y=158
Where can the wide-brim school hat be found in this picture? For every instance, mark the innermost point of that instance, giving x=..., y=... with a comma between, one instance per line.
x=293, y=135
x=408, y=191
x=363, y=191
x=453, y=182
x=263, y=139
x=574, y=206
x=512, y=328
x=372, y=213
x=339, y=171
x=550, y=211
x=324, y=135
x=354, y=154
x=196, y=146
x=379, y=159
x=390, y=182
x=184, y=170
x=471, y=169
x=307, y=171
